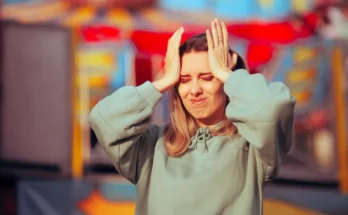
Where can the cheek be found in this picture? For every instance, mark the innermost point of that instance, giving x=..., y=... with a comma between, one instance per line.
x=215, y=89
x=183, y=91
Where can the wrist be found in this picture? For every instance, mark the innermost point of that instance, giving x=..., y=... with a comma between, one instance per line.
x=164, y=84
x=223, y=75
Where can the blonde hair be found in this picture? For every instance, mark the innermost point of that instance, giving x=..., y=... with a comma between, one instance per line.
x=182, y=125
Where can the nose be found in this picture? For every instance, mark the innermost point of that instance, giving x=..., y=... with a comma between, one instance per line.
x=196, y=88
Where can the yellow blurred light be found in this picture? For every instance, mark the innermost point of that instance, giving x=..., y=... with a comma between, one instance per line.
x=96, y=59
x=272, y=207
x=96, y=204
x=300, y=5
x=299, y=75
x=80, y=16
x=120, y=17
x=266, y=3
x=159, y=19
x=302, y=97
x=303, y=54
x=98, y=81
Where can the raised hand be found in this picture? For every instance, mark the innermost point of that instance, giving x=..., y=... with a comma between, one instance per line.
x=172, y=63
x=172, y=59
x=220, y=61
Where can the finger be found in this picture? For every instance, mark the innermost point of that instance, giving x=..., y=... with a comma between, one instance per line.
x=225, y=41
x=233, y=60
x=223, y=57
x=224, y=34
x=210, y=40
x=219, y=31
x=176, y=44
x=229, y=61
x=215, y=36
x=177, y=39
x=170, y=41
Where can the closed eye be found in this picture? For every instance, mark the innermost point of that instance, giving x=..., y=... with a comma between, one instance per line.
x=207, y=77
x=184, y=79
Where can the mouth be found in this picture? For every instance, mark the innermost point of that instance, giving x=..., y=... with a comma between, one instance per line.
x=198, y=101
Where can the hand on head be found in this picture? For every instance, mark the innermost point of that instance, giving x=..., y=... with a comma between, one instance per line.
x=220, y=61
x=172, y=59
x=172, y=63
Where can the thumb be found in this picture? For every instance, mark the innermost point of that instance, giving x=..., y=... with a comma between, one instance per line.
x=232, y=60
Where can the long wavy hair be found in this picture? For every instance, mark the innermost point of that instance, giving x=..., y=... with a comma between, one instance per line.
x=182, y=125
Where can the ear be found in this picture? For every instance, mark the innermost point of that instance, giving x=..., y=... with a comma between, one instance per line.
x=232, y=60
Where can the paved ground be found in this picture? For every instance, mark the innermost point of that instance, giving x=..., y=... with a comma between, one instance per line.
x=280, y=198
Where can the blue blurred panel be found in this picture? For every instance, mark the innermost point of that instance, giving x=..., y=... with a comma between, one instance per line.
x=324, y=68
x=236, y=9
x=186, y=5
x=118, y=191
x=239, y=46
x=125, y=61
x=119, y=77
x=272, y=9
x=312, y=55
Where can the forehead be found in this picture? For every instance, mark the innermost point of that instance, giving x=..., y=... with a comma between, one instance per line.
x=194, y=63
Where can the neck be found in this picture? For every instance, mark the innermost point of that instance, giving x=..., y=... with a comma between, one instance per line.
x=210, y=122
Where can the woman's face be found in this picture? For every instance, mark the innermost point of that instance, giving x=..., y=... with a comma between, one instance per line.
x=201, y=93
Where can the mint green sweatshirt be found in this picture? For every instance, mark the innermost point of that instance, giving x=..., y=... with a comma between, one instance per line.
x=218, y=174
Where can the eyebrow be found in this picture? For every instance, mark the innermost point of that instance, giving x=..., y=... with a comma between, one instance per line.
x=200, y=74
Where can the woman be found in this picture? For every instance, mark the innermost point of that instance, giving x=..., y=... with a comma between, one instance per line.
x=227, y=135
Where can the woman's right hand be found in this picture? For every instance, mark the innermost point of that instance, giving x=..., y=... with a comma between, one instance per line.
x=172, y=63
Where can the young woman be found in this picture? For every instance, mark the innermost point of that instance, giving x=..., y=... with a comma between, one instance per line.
x=227, y=135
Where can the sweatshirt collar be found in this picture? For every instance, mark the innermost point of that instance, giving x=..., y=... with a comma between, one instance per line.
x=199, y=141
x=203, y=134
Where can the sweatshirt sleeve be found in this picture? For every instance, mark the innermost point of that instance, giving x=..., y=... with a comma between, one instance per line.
x=121, y=123
x=263, y=113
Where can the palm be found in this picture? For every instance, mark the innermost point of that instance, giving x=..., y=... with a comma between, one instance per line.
x=215, y=62
x=172, y=67
x=220, y=61
x=172, y=59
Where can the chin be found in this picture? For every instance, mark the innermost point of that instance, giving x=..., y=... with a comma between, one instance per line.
x=200, y=116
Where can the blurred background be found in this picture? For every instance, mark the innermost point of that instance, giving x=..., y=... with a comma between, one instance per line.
x=60, y=57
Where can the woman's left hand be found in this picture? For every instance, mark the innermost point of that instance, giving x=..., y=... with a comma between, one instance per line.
x=220, y=61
